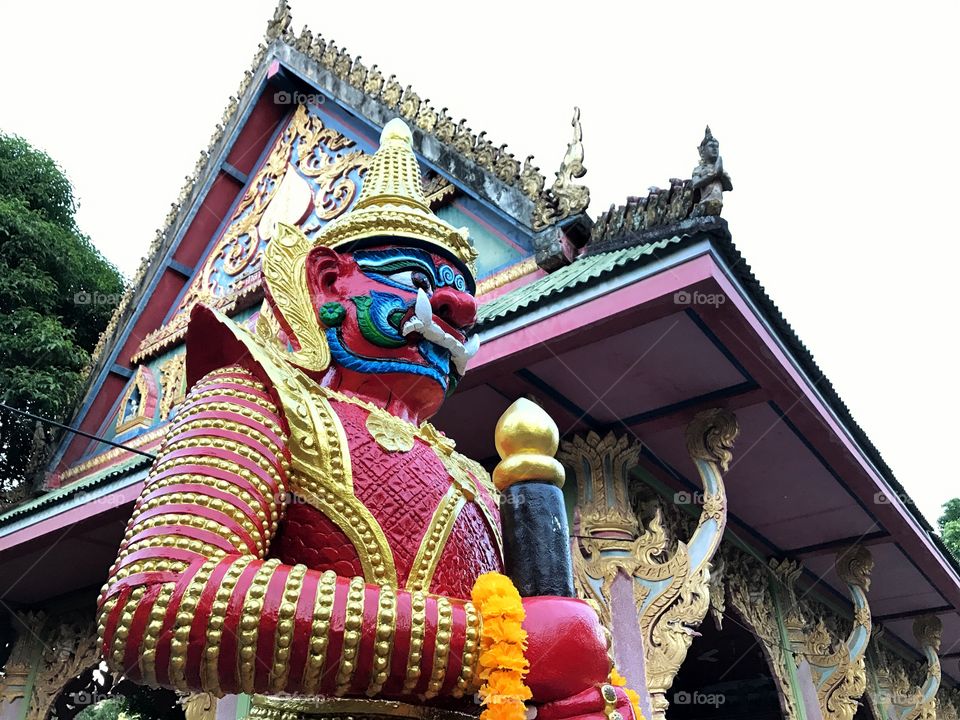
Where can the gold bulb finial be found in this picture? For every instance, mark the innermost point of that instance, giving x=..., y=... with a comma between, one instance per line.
x=526, y=438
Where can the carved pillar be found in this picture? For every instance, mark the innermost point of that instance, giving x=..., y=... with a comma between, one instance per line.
x=948, y=704
x=836, y=667
x=17, y=672
x=650, y=594
x=69, y=648
x=898, y=698
x=748, y=584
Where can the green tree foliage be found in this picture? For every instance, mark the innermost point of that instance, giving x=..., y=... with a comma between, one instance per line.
x=950, y=526
x=57, y=294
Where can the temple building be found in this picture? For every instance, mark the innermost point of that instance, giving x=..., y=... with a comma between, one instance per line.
x=745, y=545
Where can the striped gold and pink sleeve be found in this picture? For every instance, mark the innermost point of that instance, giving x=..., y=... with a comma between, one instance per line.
x=193, y=603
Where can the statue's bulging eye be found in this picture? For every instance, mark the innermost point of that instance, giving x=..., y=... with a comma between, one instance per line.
x=421, y=281
x=412, y=279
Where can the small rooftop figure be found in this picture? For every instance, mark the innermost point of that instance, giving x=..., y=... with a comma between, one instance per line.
x=709, y=178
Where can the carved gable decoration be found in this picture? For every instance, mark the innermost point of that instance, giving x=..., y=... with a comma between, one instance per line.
x=312, y=175
x=138, y=403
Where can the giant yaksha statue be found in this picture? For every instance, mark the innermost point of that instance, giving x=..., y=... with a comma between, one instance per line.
x=306, y=536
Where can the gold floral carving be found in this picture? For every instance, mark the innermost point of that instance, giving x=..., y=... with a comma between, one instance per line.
x=897, y=696
x=69, y=648
x=564, y=198
x=611, y=542
x=173, y=383
x=747, y=583
x=391, y=436
x=947, y=705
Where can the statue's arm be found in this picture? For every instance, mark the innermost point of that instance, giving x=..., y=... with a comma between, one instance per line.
x=192, y=604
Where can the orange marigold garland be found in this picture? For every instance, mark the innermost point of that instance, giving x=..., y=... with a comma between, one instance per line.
x=502, y=664
x=620, y=681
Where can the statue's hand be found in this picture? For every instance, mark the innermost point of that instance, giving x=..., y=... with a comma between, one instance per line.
x=588, y=705
x=566, y=647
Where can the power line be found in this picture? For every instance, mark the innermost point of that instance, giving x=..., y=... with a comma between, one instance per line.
x=76, y=431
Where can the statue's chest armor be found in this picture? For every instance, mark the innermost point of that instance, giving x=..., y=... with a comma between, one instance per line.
x=411, y=496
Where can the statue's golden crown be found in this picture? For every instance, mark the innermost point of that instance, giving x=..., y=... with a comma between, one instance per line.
x=392, y=204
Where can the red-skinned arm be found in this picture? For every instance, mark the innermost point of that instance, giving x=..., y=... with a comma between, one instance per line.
x=192, y=604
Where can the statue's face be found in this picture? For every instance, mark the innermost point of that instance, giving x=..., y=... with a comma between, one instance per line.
x=711, y=151
x=396, y=318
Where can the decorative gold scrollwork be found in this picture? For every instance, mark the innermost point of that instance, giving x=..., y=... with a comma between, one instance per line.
x=332, y=173
x=897, y=696
x=670, y=585
x=838, y=667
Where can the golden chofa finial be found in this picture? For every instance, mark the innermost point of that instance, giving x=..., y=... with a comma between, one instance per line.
x=527, y=439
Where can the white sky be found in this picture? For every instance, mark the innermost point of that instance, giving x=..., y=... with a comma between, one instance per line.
x=837, y=122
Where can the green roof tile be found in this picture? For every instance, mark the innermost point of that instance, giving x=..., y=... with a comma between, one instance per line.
x=581, y=272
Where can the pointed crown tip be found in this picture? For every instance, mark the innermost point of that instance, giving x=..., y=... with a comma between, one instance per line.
x=396, y=129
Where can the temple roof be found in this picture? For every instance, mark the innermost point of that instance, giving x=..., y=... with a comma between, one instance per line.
x=519, y=190
x=629, y=246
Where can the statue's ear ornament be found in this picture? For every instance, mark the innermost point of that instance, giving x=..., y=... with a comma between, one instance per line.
x=288, y=298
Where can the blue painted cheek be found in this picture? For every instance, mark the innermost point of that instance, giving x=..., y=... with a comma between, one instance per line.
x=383, y=304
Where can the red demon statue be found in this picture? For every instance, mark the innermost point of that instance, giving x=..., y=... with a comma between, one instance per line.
x=304, y=534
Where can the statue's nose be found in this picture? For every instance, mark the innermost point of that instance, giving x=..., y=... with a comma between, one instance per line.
x=458, y=309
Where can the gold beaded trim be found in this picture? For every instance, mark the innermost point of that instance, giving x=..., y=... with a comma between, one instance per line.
x=319, y=634
x=434, y=539
x=383, y=649
x=418, y=630
x=352, y=631
x=122, y=630
x=148, y=650
x=441, y=650
x=470, y=657
x=218, y=615
x=280, y=672
x=360, y=527
x=250, y=623
x=184, y=622
x=231, y=426
x=227, y=465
